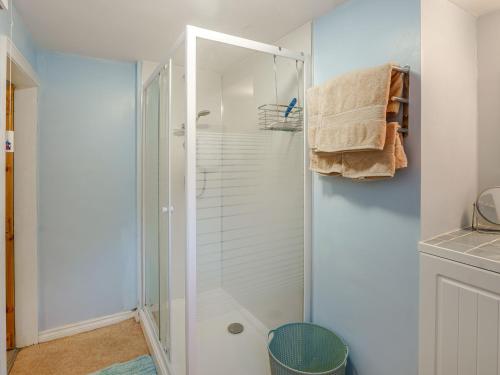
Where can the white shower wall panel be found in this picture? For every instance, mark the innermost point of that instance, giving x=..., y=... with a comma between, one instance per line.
x=262, y=231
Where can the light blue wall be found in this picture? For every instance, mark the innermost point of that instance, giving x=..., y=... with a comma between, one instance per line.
x=365, y=261
x=21, y=36
x=87, y=187
x=87, y=213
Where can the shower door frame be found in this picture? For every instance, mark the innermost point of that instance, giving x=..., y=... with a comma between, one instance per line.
x=192, y=34
x=143, y=293
x=162, y=359
x=161, y=353
x=163, y=121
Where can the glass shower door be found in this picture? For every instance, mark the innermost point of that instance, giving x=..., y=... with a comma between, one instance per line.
x=151, y=201
x=165, y=207
x=249, y=202
x=156, y=205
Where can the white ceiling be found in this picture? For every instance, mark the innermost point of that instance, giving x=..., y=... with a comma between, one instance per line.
x=478, y=7
x=145, y=29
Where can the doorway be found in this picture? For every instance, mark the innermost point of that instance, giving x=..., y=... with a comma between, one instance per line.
x=18, y=266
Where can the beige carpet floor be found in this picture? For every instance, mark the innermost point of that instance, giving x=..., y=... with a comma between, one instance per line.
x=11, y=357
x=83, y=353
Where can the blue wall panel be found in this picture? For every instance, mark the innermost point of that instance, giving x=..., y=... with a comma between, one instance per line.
x=365, y=257
x=87, y=187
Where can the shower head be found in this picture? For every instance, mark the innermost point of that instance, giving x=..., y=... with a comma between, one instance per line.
x=182, y=130
x=204, y=112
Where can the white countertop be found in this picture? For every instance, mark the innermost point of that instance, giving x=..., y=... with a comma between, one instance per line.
x=466, y=246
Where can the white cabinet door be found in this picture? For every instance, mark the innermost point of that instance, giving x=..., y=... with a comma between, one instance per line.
x=459, y=319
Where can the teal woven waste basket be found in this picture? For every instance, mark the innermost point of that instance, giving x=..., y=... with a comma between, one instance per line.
x=306, y=349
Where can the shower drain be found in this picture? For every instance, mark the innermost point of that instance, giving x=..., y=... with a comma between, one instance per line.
x=235, y=328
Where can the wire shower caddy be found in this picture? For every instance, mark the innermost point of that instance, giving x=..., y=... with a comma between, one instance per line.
x=282, y=117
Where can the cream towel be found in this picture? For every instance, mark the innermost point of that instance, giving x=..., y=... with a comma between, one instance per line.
x=366, y=164
x=349, y=113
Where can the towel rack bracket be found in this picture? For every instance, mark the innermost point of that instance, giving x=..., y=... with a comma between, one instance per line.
x=403, y=69
x=400, y=99
x=404, y=99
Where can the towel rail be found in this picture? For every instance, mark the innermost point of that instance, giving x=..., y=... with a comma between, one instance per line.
x=402, y=69
x=404, y=100
x=400, y=99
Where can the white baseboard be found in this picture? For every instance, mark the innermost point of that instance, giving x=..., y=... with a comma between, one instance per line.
x=154, y=345
x=85, y=326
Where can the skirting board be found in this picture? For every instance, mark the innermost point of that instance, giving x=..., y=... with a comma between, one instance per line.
x=85, y=326
x=154, y=345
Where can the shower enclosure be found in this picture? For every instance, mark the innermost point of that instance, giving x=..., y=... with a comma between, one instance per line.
x=225, y=203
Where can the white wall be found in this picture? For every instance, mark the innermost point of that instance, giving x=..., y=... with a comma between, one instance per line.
x=147, y=68
x=449, y=117
x=489, y=99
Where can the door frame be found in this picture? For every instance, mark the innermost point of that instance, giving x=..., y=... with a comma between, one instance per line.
x=28, y=290
x=9, y=222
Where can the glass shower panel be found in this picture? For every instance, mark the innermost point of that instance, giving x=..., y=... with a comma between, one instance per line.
x=165, y=209
x=250, y=206
x=151, y=201
x=163, y=189
x=178, y=218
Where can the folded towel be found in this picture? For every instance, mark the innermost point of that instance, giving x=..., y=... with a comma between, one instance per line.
x=367, y=164
x=349, y=113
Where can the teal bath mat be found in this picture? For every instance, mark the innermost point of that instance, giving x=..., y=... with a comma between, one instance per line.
x=140, y=366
